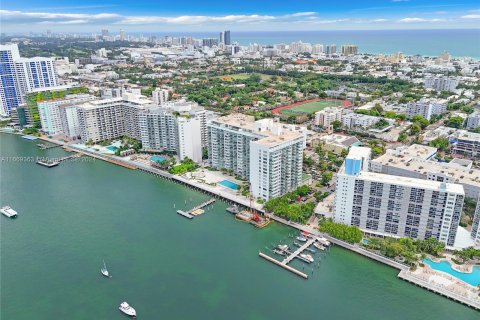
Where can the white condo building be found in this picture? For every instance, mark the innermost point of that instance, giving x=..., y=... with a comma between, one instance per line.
x=160, y=96
x=326, y=116
x=394, y=206
x=426, y=108
x=21, y=76
x=441, y=83
x=100, y=120
x=59, y=116
x=265, y=152
x=176, y=126
x=476, y=224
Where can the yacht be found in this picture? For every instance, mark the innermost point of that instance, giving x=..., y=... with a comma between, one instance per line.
x=283, y=247
x=104, y=270
x=318, y=246
x=127, y=309
x=278, y=251
x=301, y=238
x=9, y=212
x=307, y=257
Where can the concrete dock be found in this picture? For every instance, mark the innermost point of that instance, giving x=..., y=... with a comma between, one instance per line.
x=291, y=255
x=188, y=214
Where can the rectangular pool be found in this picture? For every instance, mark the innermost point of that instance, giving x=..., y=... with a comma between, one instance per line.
x=229, y=184
x=157, y=158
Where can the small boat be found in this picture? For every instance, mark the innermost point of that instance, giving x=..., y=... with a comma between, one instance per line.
x=104, y=270
x=324, y=241
x=127, y=309
x=295, y=243
x=307, y=257
x=318, y=246
x=9, y=212
x=311, y=250
x=283, y=247
x=301, y=238
x=280, y=252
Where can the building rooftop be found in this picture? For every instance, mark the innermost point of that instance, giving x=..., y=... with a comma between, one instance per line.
x=469, y=136
x=270, y=133
x=462, y=175
x=412, y=182
x=338, y=139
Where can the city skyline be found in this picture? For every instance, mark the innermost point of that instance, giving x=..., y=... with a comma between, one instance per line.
x=213, y=15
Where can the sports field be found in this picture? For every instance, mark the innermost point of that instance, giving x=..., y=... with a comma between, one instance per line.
x=311, y=106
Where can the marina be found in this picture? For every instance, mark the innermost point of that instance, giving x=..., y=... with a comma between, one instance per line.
x=134, y=238
x=283, y=250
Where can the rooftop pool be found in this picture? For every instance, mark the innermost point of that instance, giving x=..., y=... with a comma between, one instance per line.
x=229, y=184
x=472, y=278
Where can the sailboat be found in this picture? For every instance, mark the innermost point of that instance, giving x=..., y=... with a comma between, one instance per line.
x=104, y=270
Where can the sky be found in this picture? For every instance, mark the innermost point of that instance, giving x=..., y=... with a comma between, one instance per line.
x=88, y=16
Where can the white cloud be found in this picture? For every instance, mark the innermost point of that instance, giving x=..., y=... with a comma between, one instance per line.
x=416, y=20
x=471, y=16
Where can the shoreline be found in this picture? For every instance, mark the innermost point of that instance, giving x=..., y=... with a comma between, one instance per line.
x=404, y=272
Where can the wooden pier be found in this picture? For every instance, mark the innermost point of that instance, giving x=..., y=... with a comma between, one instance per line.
x=188, y=214
x=291, y=255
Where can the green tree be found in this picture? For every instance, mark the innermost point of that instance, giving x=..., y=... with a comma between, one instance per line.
x=455, y=122
x=441, y=143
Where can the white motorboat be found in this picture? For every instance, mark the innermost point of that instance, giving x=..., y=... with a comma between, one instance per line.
x=127, y=309
x=318, y=246
x=283, y=247
x=324, y=241
x=301, y=238
x=104, y=270
x=9, y=212
x=307, y=257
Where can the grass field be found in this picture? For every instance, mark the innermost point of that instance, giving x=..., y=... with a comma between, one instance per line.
x=243, y=76
x=311, y=107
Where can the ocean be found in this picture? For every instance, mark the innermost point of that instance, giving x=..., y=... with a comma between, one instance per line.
x=459, y=42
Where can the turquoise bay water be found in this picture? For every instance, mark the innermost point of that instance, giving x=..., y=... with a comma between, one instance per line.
x=472, y=278
x=73, y=216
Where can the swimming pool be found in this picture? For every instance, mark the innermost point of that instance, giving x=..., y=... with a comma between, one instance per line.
x=229, y=184
x=472, y=278
x=157, y=158
x=112, y=148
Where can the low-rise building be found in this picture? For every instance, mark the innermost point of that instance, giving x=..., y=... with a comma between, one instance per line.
x=326, y=116
x=473, y=120
x=467, y=143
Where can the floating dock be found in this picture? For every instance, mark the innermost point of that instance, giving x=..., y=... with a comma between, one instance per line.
x=291, y=255
x=190, y=214
x=55, y=162
x=46, y=146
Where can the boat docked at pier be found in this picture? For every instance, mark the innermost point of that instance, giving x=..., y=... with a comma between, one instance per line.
x=8, y=212
x=127, y=309
x=301, y=238
x=307, y=257
x=319, y=246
